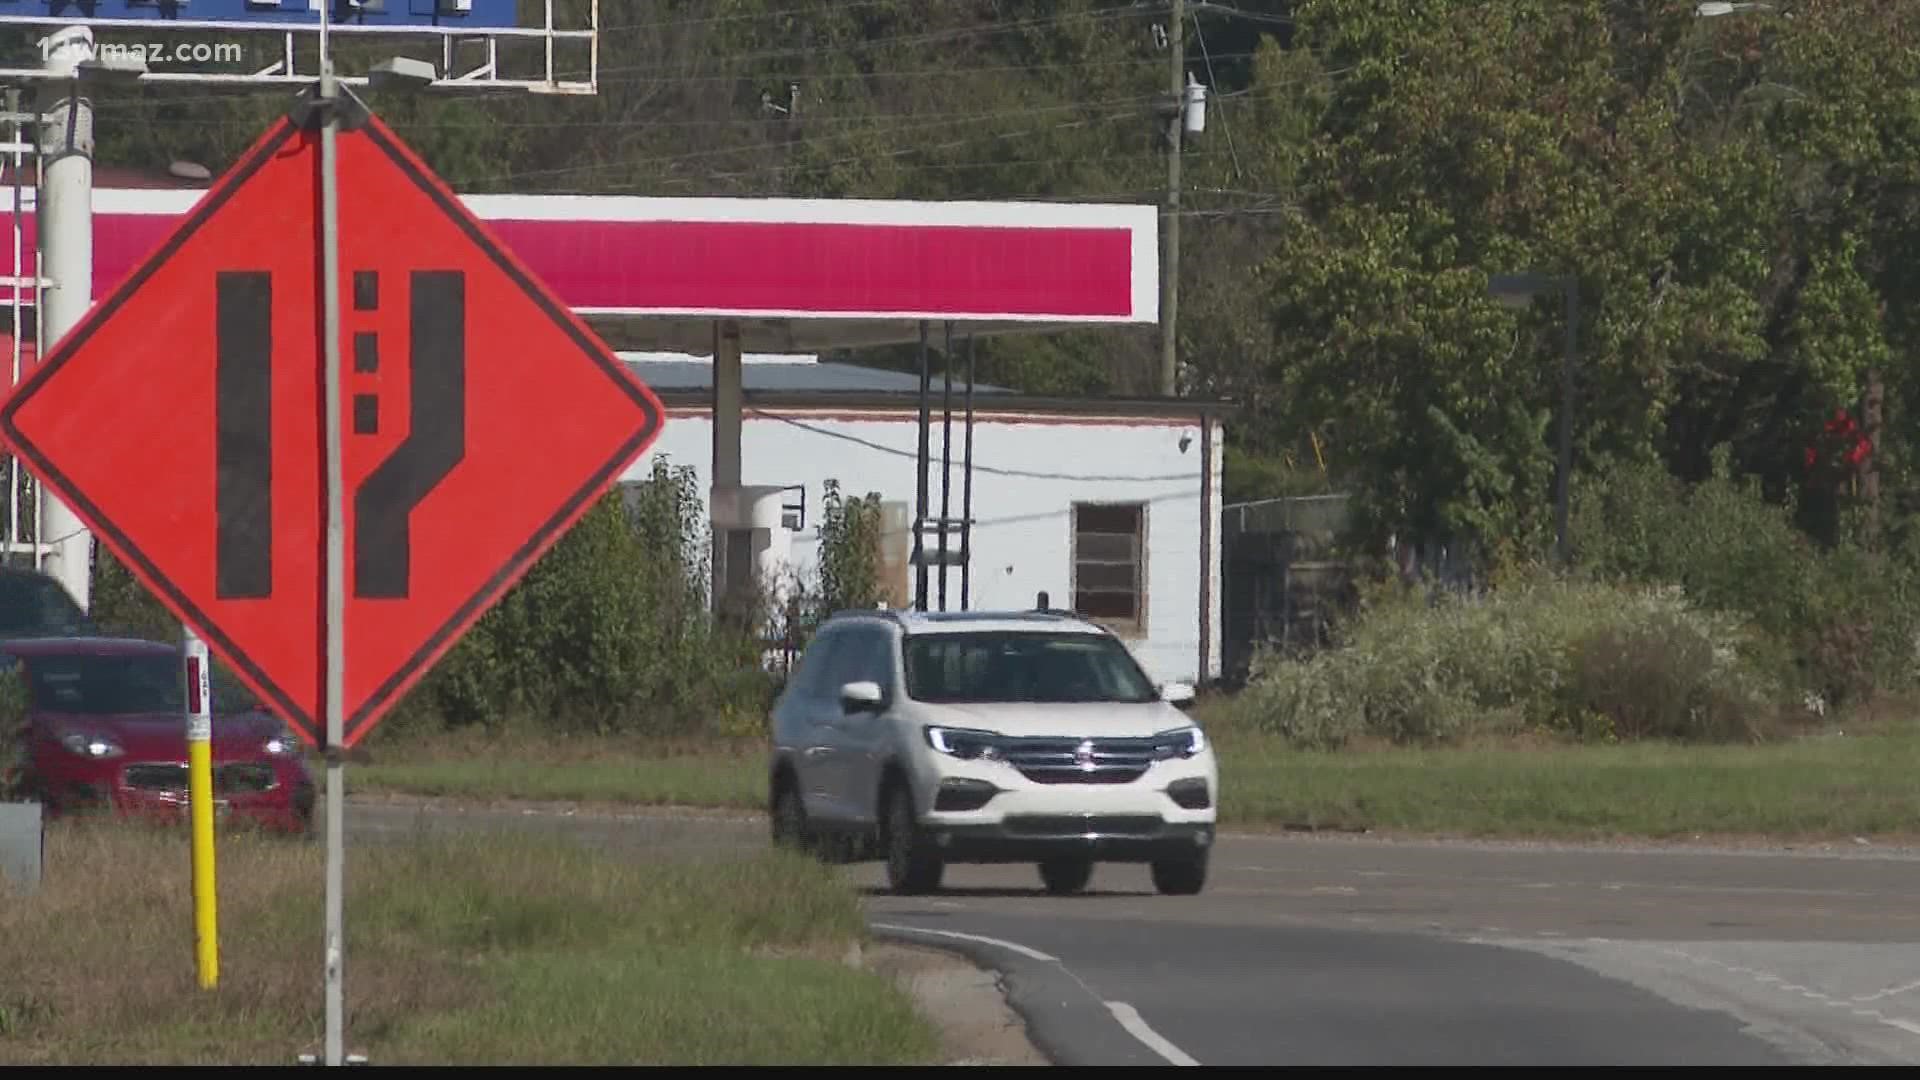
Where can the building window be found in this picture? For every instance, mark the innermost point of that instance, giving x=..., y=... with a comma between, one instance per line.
x=1109, y=564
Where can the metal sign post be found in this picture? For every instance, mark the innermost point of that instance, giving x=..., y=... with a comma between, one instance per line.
x=335, y=677
x=206, y=934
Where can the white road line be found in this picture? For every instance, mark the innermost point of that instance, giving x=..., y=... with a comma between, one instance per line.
x=1907, y=1026
x=1893, y=991
x=1012, y=946
x=1136, y=1027
x=1127, y=1016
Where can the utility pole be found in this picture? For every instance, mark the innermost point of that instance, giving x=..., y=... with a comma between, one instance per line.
x=1170, y=262
x=65, y=201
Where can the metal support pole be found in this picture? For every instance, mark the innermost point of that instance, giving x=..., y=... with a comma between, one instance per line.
x=1170, y=268
x=920, y=498
x=336, y=557
x=946, y=453
x=966, y=494
x=206, y=931
x=1206, y=548
x=1561, y=502
x=18, y=134
x=65, y=201
x=724, y=491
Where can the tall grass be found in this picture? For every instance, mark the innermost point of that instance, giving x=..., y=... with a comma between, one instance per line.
x=462, y=949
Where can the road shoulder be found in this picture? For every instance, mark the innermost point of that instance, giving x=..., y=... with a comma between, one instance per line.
x=963, y=1001
x=1905, y=845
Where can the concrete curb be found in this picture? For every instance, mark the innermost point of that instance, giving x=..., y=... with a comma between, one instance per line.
x=1066, y=1020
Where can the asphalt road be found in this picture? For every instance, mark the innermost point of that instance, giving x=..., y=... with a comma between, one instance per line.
x=1317, y=951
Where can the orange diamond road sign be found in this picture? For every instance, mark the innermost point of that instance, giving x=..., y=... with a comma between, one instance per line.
x=183, y=420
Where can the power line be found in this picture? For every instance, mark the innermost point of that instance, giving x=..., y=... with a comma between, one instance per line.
x=816, y=140
x=130, y=105
x=647, y=71
x=909, y=150
x=1025, y=474
x=926, y=38
x=936, y=166
x=1214, y=80
x=674, y=24
x=588, y=167
x=644, y=125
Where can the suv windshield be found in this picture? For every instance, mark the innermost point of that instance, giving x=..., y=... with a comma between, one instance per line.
x=106, y=685
x=1025, y=665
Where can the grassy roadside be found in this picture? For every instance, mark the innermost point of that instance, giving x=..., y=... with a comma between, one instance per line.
x=483, y=949
x=1838, y=783
x=1837, y=786
x=611, y=770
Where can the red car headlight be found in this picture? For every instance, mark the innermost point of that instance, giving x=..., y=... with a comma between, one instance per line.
x=94, y=747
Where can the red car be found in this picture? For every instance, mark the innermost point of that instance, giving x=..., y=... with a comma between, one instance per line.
x=106, y=729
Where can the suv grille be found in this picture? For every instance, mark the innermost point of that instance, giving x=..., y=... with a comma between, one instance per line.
x=1054, y=760
x=1083, y=825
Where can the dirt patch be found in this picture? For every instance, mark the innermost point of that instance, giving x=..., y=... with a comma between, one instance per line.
x=966, y=1003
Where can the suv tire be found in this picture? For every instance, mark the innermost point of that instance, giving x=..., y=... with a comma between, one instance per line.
x=1065, y=876
x=912, y=867
x=1180, y=877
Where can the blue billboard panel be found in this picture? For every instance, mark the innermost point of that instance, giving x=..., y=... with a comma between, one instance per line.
x=399, y=15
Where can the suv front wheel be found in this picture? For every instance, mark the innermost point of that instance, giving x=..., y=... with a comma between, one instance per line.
x=912, y=867
x=1180, y=877
x=789, y=818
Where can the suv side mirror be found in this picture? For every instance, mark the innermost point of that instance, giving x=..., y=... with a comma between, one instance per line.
x=864, y=696
x=1178, y=695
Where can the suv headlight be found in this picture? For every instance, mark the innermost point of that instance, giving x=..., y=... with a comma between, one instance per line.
x=282, y=745
x=90, y=746
x=964, y=743
x=1183, y=742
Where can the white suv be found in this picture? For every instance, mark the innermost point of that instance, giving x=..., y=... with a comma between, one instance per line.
x=927, y=739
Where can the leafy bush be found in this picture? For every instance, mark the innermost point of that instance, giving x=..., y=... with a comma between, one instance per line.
x=1575, y=659
x=119, y=604
x=1847, y=615
x=849, y=551
x=848, y=573
x=610, y=631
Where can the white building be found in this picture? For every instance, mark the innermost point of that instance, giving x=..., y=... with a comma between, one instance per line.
x=1098, y=503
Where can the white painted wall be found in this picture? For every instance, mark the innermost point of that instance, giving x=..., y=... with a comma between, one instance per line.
x=1028, y=471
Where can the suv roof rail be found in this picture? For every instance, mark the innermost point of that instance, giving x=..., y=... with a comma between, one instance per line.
x=866, y=613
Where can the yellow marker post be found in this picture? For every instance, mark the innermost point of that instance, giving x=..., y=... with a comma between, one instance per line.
x=206, y=937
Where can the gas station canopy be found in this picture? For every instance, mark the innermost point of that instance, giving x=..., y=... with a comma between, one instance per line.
x=793, y=275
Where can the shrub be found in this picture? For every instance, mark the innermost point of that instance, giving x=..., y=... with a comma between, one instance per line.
x=849, y=571
x=609, y=631
x=849, y=551
x=1576, y=659
x=1847, y=615
x=1662, y=676
x=119, y=604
